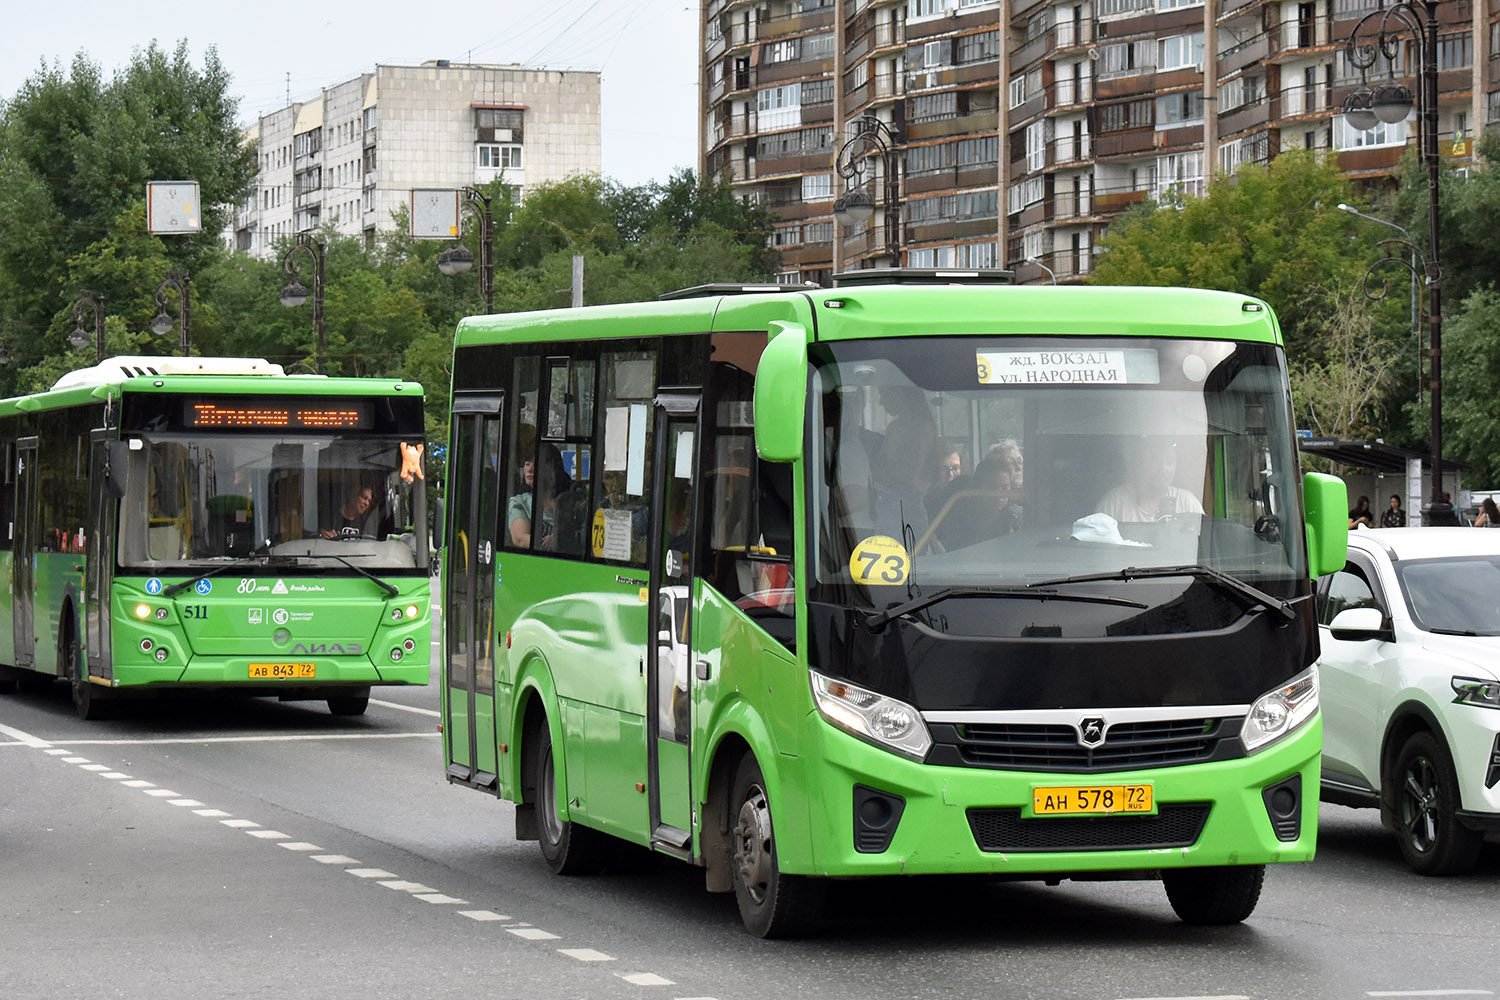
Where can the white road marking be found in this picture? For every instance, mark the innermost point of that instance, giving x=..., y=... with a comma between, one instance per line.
x=239, y=824
x=213, y=813
x=161, y=793
x=94, y=767
x=26, y=739
x=401, y=885
x=1228, y=996
x=116, y=775
x=53, y=752
x=185, y=802
x=334, y=859
x=586, y=954
x=299, y=738
x=1429, y=993
x=437, y=897
x=370, y=873
x=267, y=834
x=300, y=845
x=645, y=979
x=138, y=783
x=532, y=933
x=75, y=760
x=404, y=708
x=482, y=915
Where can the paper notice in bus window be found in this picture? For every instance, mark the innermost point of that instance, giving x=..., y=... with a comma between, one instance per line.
x=1084, y=366
x=616, y=535
x=684, y=468
x=616, y=421
x=635, y=468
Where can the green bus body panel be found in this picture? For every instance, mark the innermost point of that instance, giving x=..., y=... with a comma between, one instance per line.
x=343, y=626
x=575, y=633
x=1327, y=501
x=215, y=650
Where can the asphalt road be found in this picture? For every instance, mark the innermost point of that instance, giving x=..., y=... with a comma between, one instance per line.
x=207, y=847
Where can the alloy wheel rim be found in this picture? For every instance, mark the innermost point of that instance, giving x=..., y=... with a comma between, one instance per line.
x=1419, y=805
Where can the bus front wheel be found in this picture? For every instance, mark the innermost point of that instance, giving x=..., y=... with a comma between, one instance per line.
x=569, y=849
x=1225, y=895
x=772, y=904
x=89, y=701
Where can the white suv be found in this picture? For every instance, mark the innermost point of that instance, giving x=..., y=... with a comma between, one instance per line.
x=1410, y=633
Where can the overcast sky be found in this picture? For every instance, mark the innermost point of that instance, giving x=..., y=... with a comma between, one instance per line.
x=644, y=50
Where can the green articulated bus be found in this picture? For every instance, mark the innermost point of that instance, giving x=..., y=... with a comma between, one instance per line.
x=921, y=574
x=214, y=523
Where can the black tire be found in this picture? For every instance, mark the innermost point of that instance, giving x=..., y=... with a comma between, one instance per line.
x=349, y=704
x=1212, y=896
x=1432, y=840
x=772, y=904
x=90, y=701
x=568, y=849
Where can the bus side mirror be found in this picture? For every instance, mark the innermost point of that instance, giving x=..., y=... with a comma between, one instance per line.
x=117, y=466
x=781, y=394
x=1327, y=501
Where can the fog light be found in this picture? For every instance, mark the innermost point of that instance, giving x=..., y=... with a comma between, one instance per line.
x=409, y=645
x=396, y=654
x=161, y=614
x=411, y=610
x=396, y=614
x=161, y=654
x=143, y=610
x=147, y=645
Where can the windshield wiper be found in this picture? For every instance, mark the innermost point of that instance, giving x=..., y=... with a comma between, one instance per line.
x=878, y=621
x=389, y=588
x=1457, y=631
x=1202, y=572
x=237, y=564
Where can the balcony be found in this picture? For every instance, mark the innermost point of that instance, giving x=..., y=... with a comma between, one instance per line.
x=1071, y=150
x=1069, y=35
x=1247, y=53
x=1072, y=93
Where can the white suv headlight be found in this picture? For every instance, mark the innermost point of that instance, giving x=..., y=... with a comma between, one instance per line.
x=1473, y=691
x=1281, y=711
x=886, y=722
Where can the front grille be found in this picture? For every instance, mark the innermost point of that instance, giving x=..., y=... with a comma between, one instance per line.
x=1175, y=825
x=1128, y=745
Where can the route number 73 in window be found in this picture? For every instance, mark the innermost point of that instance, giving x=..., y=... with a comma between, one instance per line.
x=1074, y=800
x=879, y=561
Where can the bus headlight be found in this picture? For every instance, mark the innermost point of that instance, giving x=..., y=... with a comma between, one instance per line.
x=886, y=722
x=1280, y=711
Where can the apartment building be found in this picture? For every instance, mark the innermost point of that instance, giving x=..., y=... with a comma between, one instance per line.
x=353, y=155
x=1020, y=128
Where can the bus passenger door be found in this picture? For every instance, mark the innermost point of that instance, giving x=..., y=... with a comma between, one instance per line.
x=99, y=559
x=23, y=572
x=474, y=494
x=669, y=659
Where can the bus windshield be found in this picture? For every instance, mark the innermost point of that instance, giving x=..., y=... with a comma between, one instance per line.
x=192, y=498
x=979, y=463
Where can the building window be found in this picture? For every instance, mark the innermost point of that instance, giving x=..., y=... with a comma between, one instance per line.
x=935, y=54
x=817, y=187
x=925, y=8
x=1128, y=58
x=1455, y=52
x=817, y=92
x=308, y=143
x=1116, y=8
x=1179, y=52
x=786, y=50
x=974, y=255
x=1382, y=134
x=779, y=107
x=1036, y=145
x=816, y=47
x=1123, y=117
x=1182, y=108
x=934, y=106
x=498, y=157
x=1019, y=196
x=929, y=159
x=1162, y=5
x=1018, y=91
x=817, y=232
x=1179, y=173
x=978, y=47
x=1240, y=91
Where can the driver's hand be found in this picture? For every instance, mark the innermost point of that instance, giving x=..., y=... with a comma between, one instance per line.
x=329, y=533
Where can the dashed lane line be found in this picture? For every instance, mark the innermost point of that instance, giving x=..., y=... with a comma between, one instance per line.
x=523, y=930
x=286, y=738
x=405, y=708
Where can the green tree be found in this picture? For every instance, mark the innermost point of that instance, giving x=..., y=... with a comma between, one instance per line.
x=1471, y=371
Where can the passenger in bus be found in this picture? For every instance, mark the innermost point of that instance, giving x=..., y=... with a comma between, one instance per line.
x=359, y=517
x=985, y=506
x=551, y=481
x=1148, y=494
x=903, y=467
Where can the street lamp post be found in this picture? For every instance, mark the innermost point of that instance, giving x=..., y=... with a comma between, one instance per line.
x=162, y=324
x=457, y=260
x=854, y=206
x=1391, y=103
x=1038, y=262
x=79, y=337
x=294, y=294
x=1411, y=246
